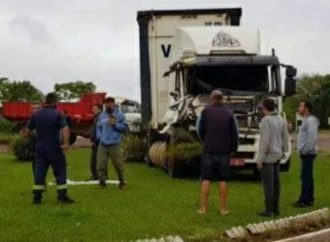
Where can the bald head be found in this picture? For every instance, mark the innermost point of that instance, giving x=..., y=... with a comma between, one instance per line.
x=216, y=97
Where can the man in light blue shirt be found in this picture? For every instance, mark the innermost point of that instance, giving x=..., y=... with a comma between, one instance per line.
x=306, y=146
x=110, y=127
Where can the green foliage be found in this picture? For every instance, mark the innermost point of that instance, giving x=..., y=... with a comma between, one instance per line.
x=185, y=151
x=181, y=135
x=184, y=146
x=315, y=88
x=19, y=91
x=135, y=148
x=6, y=126
x=22, y=148
x=70, y=90
x=321, y=104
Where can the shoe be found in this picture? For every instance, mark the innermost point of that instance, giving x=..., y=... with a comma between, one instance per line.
x=201, y=211
x=225, y=212
x=37, y=197
x=66, y=200
x=102, y=183
x=122, y=185
x=299, y=204
x=276, y=213
x=266, y=213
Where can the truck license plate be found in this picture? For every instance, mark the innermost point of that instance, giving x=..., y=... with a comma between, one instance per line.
x=236, y=162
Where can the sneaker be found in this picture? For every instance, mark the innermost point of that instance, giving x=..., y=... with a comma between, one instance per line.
x=66, y=200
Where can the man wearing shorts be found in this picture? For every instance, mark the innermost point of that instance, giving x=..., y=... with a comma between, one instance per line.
x=218, y=130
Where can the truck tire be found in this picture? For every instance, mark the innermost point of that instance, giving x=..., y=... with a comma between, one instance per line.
x=286, y=167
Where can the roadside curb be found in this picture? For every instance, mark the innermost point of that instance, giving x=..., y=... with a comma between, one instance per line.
x=319, y=236
x=296, y=222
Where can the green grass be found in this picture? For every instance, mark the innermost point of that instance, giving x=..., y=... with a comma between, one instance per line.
x=152, y=206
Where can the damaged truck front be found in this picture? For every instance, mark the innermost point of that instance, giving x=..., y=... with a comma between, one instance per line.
x=204, y=58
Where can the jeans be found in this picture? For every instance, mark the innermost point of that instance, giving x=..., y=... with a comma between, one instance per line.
x=306, y=177
x=104, y=152
x=270, y=174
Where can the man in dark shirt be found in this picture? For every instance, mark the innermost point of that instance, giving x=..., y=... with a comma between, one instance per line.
x=218, y=130
x=97, y=109
x=48, y=123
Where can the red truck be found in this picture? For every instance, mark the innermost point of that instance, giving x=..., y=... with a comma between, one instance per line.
x=80, y=112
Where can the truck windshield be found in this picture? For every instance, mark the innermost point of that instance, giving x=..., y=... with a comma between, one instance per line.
x=238, y=77
x=130, y=107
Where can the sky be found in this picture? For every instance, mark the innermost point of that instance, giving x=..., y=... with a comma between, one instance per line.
x=48, y=41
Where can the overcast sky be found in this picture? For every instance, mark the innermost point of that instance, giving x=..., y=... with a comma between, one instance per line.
x=48, y=41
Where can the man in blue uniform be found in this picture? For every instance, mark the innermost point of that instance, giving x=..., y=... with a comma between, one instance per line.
x=48, y=123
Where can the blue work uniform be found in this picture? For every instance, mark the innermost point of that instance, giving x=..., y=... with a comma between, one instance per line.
x=47, y=123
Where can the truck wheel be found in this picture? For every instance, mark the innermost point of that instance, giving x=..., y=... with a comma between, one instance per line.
x=286, y=167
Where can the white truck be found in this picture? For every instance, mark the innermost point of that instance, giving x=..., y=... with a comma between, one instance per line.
x=185, y=54
x=132, y=111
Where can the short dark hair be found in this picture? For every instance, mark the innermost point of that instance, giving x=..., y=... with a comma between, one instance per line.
x=109, y=100
x=269, y=104
x=307, y=104
x=51, y=98
x=98, y=105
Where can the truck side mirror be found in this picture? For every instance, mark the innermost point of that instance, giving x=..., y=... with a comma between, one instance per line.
x=290, y=81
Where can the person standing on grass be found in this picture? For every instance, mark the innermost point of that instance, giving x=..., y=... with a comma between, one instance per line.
x=110, y=127
x=217, y=127
x=97, y=109
x=48, y=123
x=306, y=146
x=274, y=142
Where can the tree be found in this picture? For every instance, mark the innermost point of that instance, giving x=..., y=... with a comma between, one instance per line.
x=321, y=104
x=315, y=88
x=19, y=91
x=70, y=90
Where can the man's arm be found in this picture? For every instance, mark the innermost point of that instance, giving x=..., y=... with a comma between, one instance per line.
x=121, y=124
x=201, y=126
x=65, y=132
x=234, y=134
x=66, y=135
x=30, y=126
x=285, y=137
x=25, y=132
x=264, y=141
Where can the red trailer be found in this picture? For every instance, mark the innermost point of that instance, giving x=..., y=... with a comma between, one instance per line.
x=80, y=112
